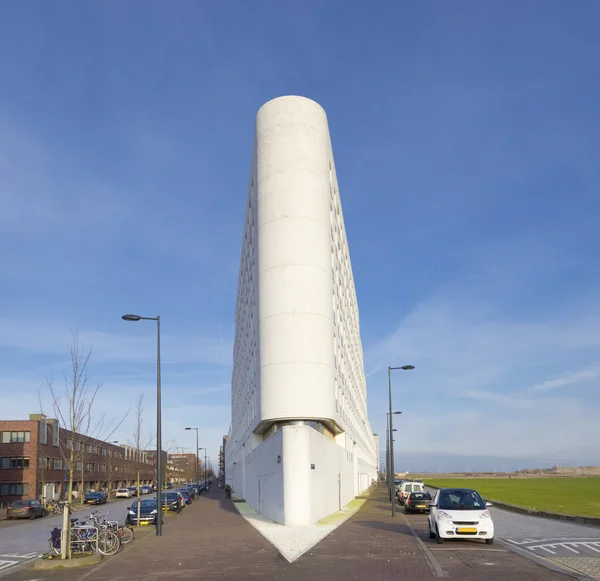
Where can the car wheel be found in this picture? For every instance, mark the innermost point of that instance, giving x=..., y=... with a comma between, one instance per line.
x=489, y=541
x=431, y=533
x=405, y=510
x=32, y=517
x=9, y=518
x=440, y=540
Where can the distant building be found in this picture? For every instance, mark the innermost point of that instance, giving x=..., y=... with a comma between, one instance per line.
x=183, y=468
x=34, y=457
x=300, y=445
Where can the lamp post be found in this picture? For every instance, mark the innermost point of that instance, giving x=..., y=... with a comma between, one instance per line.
x=159, y=462
x=204, y=466
x=197, y=459
x=391, y=434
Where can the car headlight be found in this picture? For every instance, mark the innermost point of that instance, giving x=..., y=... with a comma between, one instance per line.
x=132, y=513
x=154, y=511
x=445, y=515
x=485, y=514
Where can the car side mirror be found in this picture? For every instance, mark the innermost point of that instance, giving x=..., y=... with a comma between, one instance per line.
x=128, y=508
x=431, y=505
x=489, y=504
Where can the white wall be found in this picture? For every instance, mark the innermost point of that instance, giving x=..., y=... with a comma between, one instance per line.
x=309, y=494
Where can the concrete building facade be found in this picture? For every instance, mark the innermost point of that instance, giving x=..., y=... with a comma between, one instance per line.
x=300, y=445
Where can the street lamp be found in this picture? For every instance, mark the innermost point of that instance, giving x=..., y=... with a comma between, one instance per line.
x=204, y=466
x=159, y=463
x=390, y=369
x=197, y=463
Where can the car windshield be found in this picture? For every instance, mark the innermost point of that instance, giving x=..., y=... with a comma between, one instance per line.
x=420, y=496
x=460, y=499
x=170, y=496
x=93, y=494
x=145, y=503
x=18, y=504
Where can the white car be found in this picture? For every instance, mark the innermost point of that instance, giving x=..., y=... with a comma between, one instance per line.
x=460, y=513
x=123, y=493
x=406, y=488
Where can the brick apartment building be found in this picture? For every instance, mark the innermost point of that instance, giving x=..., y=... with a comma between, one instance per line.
x=33, y=461
x=183, y=468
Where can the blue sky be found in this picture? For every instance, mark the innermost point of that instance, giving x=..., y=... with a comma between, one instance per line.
x=466, y=139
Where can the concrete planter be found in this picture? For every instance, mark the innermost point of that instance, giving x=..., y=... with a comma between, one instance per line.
x=58, y=563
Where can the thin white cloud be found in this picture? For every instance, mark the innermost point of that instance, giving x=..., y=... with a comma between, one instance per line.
x=130, y=345
x=568, y=379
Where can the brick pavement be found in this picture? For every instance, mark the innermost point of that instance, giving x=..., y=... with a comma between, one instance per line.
x=210, y=540
x=589, y=566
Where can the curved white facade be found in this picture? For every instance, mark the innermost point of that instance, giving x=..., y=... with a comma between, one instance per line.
x=298, y=386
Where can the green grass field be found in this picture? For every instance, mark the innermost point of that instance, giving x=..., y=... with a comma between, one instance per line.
x=576, y=496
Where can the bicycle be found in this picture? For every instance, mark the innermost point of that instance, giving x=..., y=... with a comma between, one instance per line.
x=124, y=532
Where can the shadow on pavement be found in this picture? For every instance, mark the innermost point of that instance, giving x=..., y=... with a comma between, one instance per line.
x=219, y=495
x=397, y=528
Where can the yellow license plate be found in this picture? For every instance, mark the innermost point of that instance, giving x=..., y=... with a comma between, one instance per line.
x=420, y=506
x=144, y=523
x=466, y=530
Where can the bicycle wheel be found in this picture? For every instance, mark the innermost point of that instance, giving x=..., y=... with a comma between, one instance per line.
x=126, y=535
x=53, y=550
x=108, y=543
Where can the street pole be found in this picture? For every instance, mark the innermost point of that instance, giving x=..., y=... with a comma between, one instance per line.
x=391, y=439
x=159, y=462
x=387, y=453
x=392, y=468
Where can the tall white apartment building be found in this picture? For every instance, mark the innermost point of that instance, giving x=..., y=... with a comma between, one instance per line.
x=300, y=446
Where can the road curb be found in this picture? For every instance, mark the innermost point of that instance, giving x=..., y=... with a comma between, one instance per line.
x=432, y=562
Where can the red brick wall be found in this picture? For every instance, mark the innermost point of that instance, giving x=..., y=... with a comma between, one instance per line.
x=122, y=469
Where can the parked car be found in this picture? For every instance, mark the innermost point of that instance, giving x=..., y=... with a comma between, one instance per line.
x=123, y=493
x=417, y=502
x=460, y=513
x=187, y=498
x=95, y=498
x=146, y=489
x=172, y=501
x=133, y=490
x=148, y=512
x=406, y=488
x=25, y=509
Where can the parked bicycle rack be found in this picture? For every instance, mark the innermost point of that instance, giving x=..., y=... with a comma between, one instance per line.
x=86, y=538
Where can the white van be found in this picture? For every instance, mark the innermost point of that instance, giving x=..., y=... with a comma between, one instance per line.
x=406, y=488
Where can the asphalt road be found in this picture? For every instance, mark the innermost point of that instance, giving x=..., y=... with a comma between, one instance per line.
x=26, y=539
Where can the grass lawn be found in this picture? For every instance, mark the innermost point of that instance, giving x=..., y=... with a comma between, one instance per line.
x=576, y=496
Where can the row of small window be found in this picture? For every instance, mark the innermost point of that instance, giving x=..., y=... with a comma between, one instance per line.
x=15, y=437
x=14, y=489
x=14, y=463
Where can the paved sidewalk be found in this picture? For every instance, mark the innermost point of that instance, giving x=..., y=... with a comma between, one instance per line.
x=210, y=540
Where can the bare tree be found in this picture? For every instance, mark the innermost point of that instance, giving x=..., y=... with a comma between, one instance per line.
x=140, y=445
x=73, y=406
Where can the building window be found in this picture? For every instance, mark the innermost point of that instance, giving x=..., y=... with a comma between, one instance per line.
x=15, y=489
x=15, y=437
x=57, y=464
x=43, y=432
